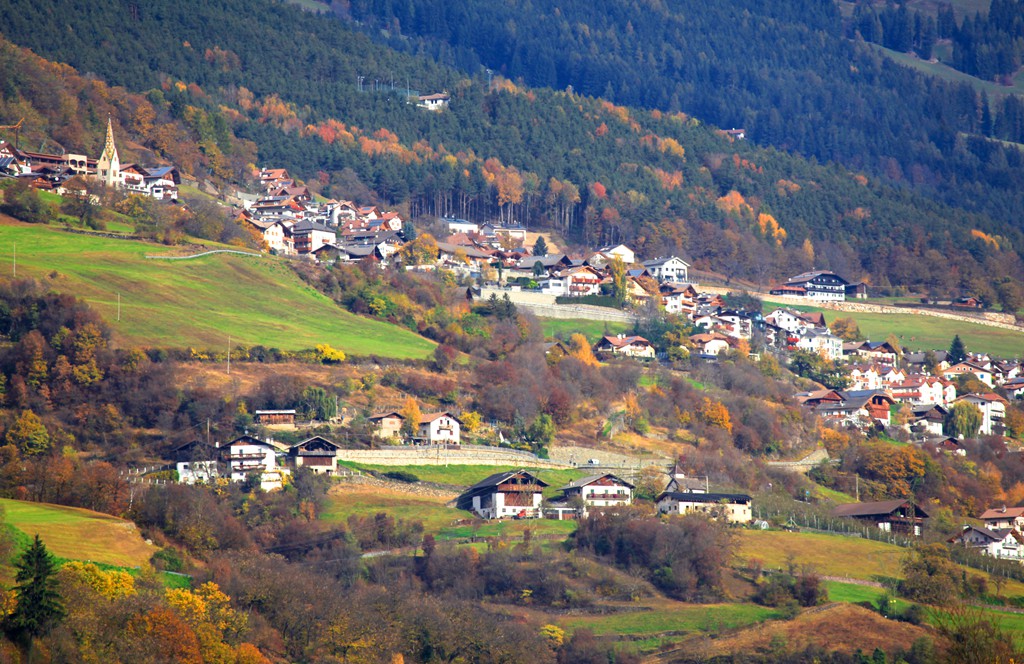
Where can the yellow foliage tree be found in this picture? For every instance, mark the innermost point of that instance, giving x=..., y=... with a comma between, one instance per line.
x=411, y=416
x=112, y=584
x=715, y=414
x=580, y=348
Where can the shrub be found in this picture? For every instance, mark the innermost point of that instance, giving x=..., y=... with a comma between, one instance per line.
x=401, y=476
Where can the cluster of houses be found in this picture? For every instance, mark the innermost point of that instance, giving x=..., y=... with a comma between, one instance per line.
x=878, y=383
x=518, y=494
x=63, y=173
x=290, y=222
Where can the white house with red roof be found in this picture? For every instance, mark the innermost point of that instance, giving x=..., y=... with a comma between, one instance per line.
x=629, y=346
x=436, y=428
x=1004, y=517
x=969, y=368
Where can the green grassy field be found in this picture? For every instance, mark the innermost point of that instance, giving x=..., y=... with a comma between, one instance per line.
x=919, y=332
x=670, y=617
x=443, y=522
x=468, y=475
x=77, y=534
x=947, y=73
x=199, y=302
x=591, y=329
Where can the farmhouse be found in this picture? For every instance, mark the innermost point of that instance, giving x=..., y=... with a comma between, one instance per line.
x=969, y=368
x=896, y=516
x=318, y=454
x=733, y=507
x=196, y=461
x=387, y=425
x=603, y=490
x=514, y=493
x=247, y=455
x=435, y=428
x=1003, y=517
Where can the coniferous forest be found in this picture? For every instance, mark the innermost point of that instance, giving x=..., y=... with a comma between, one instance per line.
x=907, y=180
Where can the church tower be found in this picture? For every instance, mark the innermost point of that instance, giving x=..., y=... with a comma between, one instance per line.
x=108, y=167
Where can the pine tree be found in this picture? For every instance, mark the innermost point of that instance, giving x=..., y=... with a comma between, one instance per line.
x=540, y=248
x=38, y=602
x=957, y=351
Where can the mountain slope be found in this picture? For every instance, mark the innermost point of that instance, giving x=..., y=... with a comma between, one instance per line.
x=595, y=171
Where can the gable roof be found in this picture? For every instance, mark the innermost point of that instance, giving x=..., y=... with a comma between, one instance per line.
x=623, y=341
x=701, y=497
x=1002, y=513
x=880, y=508
x=590, y=479
x=497, y=479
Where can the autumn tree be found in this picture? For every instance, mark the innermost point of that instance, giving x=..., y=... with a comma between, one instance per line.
x=421, y=251
x=411, y=417
x=714, y=413
x=580, y=349
x=846, y=329
x=29, y=434
x=619, y=285
x=39, y=604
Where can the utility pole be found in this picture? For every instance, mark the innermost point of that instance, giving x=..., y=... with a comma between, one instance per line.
x=229, y=356
x=15, y=248
x=119, y=307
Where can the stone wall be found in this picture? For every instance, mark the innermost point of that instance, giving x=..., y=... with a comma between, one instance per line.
x=439, y=456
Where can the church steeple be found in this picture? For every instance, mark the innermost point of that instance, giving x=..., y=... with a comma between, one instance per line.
x=108, y=166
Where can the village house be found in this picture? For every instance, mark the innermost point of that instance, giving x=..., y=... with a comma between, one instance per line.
x=671, y=269
x=317, y=453
x=628, y=346
x=196, y=462
x=820, y=342
x=605, y=255
x=733, y=507
x=308, y=236
x=602, y=490
x=516, y=494
x=993, y=412
x=387, y=425
x=865, y=376
x=710, y=344
x=678, y=298
x=1003, y=517
x=247, y=455
x=917, y=390
x=438, y=428
x=928, y=419
x=578, y=281
x=794, y=321
x=1005, y=543
x=892, y=516
x=858, y=407
x=1014, y=388
x=969, y=368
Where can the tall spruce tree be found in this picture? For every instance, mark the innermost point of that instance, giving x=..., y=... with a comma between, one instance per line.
x=39, y=604
x=957, y=351
x=540, y=248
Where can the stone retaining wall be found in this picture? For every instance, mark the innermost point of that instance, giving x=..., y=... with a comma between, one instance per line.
x=435, y=456
x=544, y=306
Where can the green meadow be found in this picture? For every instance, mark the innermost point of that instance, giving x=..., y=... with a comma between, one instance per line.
x=197, y=302
x=920, y=332
x=78, y=534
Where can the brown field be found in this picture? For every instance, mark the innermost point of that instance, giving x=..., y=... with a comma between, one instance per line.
x=837, y=627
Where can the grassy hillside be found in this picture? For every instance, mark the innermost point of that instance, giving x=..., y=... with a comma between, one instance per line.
x=919, y=332
x=78, y=534
x=198, y=302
